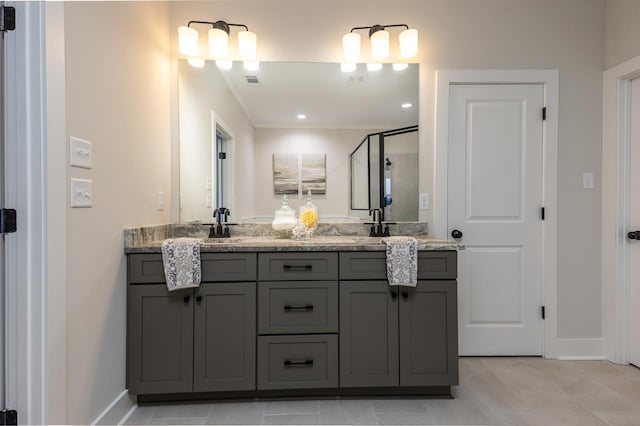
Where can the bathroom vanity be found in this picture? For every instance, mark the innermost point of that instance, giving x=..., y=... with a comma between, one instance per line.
x=276, y=317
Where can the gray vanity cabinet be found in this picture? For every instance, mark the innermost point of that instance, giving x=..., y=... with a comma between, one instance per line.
x=224, y=337
x=368, y=334
x=160, y=339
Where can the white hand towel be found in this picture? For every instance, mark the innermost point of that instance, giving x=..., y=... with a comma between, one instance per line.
x=402, y=261
x=181, y=260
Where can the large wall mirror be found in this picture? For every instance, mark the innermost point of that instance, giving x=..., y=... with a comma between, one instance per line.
x=246, y=137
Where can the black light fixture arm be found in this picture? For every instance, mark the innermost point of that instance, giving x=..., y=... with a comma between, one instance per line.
x=221, y=25
x=375, y=28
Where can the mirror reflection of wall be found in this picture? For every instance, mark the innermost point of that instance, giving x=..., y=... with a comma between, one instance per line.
x=261, y=112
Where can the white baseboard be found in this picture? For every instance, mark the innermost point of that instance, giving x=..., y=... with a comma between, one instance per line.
x=118, y=411
x=580, y=349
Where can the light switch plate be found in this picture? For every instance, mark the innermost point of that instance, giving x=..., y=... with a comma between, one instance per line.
x=423, y=201
x=160, y=200
x=81, y=193
x=587, y=180
x=81, y=153
x=209, y=200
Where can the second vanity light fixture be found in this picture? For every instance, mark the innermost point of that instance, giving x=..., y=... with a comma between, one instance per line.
x=218, y=45
x=379, y=38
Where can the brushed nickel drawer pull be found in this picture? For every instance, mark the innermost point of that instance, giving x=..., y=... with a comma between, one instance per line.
x=294, y=363
x=306, y=308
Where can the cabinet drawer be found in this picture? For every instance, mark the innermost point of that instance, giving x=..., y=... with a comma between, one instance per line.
x=298, y=362
x=222, y=267
x=432, y=265
x=298, y=307
x=297, y=266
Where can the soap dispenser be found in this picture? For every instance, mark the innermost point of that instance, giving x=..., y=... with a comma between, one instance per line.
x=284, y=218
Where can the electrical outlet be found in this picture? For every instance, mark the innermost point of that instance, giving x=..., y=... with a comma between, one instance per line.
x=423, y=201
x=588, y=180
x=80, y=153
x=81, y=193
x=160, y=200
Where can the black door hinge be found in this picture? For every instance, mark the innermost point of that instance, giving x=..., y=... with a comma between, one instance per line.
x=7, y=18
x=8, y=417
x=8, y=221
x=542, y=312
x=544, y=113
x=542, y=213
x=222, y=156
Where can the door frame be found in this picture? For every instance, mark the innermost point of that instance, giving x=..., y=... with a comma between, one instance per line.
x=550, y=81
x=616, y=192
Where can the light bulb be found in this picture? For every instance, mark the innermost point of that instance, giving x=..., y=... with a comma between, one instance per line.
x=400, y=67
x=224, y=64
x=196, y=62
x=347, y=67
x=408, y=43
x=380, y=44
x=251, y=65
x=351, y=47
x=218, y=43
x=187, y=41
x=375, y=66
x=247, y=45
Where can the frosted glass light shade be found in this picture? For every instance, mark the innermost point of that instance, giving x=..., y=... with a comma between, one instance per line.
x=218, y=43
x=373, y=67
x=400, y=66
x=247, y=45
x=351, y=47
x=224, y=64
x=347, y=67
x=408, y=43
x=380, y=45
x=251, y=65
x=196, y=62
x=187, y=41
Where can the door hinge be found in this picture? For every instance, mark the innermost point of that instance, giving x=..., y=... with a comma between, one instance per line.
x=7, y=18
x=8, y=221
x=542, y=213
x=544, y=113
x=222, y=156
x=8, y=417
x=542, y=312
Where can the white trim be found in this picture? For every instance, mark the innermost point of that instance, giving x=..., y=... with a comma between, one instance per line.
x=580, y=349
x=118, y=411
x=26, y=179
x=550, y=80
x=216, y=121
x=616, y=189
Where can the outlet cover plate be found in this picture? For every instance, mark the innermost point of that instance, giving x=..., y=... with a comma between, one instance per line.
x=80, y=153
x=81, y=193
x=423, y=201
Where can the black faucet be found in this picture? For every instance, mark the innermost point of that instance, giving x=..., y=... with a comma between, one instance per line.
x=220, y=229
x=379, y=228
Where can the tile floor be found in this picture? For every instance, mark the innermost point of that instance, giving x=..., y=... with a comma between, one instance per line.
x=492, y=391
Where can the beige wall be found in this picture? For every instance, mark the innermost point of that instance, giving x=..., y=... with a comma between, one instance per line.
x=622, y=31
x=117, y=81
x=557, y=34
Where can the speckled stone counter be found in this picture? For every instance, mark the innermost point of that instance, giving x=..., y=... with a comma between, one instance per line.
x=258, y=237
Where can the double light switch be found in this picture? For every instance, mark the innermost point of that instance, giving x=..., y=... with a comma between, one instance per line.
x=80, y=155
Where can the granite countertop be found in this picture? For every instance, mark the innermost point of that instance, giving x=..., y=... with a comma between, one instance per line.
x=317, y=243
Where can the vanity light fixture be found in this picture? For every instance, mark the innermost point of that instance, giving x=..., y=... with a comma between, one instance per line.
x=348, y=66
x=374, y=66
x=196, y=62
x=379, y=38
x=224, y=64
x=400, y=66
x=218, y=44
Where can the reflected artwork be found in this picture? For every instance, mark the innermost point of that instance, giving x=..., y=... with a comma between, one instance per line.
x=314, y=173
x=285, y=174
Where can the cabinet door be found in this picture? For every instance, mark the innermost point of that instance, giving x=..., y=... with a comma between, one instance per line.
x=225, y=337
x=160, y=335
x=368, y=334
x=428, y=334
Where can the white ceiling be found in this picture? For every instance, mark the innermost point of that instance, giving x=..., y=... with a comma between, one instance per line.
x=328, y=97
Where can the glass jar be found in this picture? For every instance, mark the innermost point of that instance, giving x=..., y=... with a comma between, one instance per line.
x=309, y=216
x=284, y=219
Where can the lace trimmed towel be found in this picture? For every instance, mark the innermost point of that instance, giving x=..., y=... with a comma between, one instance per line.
x=181, y=260
x=402, y=261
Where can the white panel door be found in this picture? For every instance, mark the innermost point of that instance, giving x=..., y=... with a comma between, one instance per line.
x=634, y=249
x=494, y=199
x=2, y=277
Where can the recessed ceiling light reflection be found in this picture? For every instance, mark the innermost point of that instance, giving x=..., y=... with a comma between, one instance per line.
x=301, y=116
x=406, y=105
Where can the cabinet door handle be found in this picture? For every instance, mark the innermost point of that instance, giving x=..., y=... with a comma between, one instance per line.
x=297, y=267
x=298, y=363
x=198, y=299
x=186, y=299
x=306, y=308
x=394, y=295
x=405, y=295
